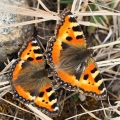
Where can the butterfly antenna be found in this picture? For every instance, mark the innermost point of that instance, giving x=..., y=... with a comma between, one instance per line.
x=39, y=42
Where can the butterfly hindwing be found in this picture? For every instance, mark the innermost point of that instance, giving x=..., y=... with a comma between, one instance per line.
x=91, y=81
x=49, y=102
x=68, y=55
x=28, y=78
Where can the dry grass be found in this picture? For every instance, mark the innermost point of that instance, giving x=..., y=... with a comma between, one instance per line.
x=107, y=57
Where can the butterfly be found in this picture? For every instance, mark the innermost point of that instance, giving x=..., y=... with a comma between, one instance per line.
x=29, y=81
x=68, y=55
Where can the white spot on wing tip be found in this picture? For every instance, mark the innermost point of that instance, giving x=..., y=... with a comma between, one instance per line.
x=34, y=41
x=71, y=16
x=104, y=89
x=56, y=108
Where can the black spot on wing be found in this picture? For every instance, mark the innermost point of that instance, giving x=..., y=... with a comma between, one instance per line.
x=79, y=36
x=76, y=28
x=51, y=97
x=98, y=77
x=37, y=51
x=39, y=58
x=94, y=70
x=30, y=59
x=68, y=38
x=72, y=19
x=41, y=94
x=64, y=45
x=86, y=77
x=49, y=89
x=34, y=44
x=101, y=87
x=54, y=105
